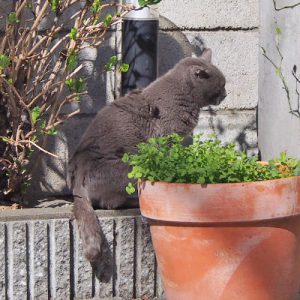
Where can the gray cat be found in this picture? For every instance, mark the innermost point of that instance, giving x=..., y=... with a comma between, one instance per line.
x=170, y=104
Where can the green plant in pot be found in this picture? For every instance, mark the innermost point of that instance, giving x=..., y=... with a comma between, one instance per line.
x=223, y=225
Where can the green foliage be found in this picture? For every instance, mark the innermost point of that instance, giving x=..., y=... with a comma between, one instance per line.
x=277, y=30
x=54, y=5
x=124, y=68
x=73, y=33
x=76, y=85
x=113, y=60
x=148, y=2
x=4, y=139
x=107, y=20
x=29, y=4
x=52, y=131
x=130, y=189
x=72, y=60
x=167, y=159
x=12, y=18
x=96, y=7
x=35, y=114
x=4, y=61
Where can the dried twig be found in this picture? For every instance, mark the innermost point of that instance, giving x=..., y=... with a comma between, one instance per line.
x=33, y=85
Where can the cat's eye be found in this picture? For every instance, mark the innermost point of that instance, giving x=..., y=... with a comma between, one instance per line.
x=200, y=73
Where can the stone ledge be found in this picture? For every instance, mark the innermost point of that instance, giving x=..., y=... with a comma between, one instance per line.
x=59, y=213
x=41, y=256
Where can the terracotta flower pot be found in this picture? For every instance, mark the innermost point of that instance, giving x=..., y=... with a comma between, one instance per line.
x=227, y=241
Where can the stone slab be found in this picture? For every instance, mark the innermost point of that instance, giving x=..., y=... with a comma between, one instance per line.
x=209, y=14
x=41, y=257
x=229, y=48
x=19, y=273
x=146, y=264
x=39, y=252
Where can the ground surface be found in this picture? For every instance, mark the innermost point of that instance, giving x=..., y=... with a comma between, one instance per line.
x=50, y=202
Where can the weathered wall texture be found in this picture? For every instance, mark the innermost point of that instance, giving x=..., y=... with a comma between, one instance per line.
x=41, y=257
x=273, y=108
x=229, y=27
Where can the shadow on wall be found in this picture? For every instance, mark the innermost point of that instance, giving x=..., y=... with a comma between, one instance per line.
x=50, y=178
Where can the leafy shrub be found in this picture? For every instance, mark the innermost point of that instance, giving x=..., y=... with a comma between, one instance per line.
x=168, y=159
x=41, y=74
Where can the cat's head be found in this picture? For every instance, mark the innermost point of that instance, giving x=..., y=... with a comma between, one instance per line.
x=205, y=82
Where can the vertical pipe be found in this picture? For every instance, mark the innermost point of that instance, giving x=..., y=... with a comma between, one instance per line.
x=139, y=48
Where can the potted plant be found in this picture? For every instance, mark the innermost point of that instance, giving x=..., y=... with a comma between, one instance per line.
x=223, y=226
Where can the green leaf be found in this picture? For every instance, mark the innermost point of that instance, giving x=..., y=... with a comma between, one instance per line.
x=55, y=5
x=278, y=30
x=35, y=114
x=4, y=139
x=107, y=20
x=29, y=4
x=124, y=68
x=164, y=158
x=125, y=157
x=44, y=124
x=148, y=2
x=76, y=85
x=52, y=131
x=96, y=7
x=72, y=61
x=73, y=34
x=12, y=18
x=130, y=189
x=113, y=60
x=4, y=61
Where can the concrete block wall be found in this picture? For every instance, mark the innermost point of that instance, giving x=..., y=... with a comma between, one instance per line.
x=41, y=257
x=230, y=28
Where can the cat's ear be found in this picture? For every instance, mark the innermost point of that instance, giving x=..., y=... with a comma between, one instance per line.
x=201, y=73
x=206, y=54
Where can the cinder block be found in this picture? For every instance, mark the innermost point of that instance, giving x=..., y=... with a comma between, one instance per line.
x=43, y=259
x=236, y=54
x=19, y=257
x=106, y=271
x=231, y=127
x=83, y=273
x=125, y=247
x=209, y=14
x=145, y=261
x=229, y=48
x=59, y=258
x=39, y=272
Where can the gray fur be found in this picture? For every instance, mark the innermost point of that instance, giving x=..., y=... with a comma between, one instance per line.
x=170, y=104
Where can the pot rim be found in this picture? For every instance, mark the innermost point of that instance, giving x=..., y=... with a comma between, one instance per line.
x=219, y=183
x=220, y=203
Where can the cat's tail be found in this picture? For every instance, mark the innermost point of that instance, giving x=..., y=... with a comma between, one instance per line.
x=89, y=228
